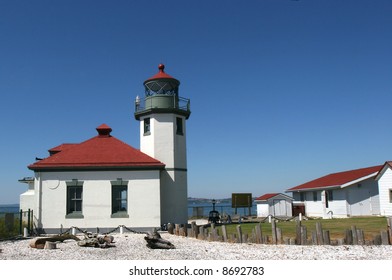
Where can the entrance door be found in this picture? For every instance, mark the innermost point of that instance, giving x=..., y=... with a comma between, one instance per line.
x=280, y=207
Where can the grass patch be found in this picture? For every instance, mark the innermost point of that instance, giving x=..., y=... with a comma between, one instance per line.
x=337, y=227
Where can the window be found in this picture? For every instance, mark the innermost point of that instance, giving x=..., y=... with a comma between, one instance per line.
x=74, y=199
x=302, y=196
x=180, y=128
x=315, y=196
x=119, y=199
x=146, y=126
x=390, y=195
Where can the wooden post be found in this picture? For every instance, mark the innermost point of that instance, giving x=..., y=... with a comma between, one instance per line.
x=201, y=235
x=355, y=235
x=314, y=238
x=361, y=237
x=279, y=235
x=326, y=237
x=389, y=222
x=170, y=228
x=341, y=241
x=224, y=233
x=304, y=235
x=319, y=231
x=177, y=226
x=384, y=237
x=245, y=238
x=273, y=227
x=259, y=235
x=194, y=229
x=181, y=231
x=377, y=240
x=348, y=237
x=298, y=232
x=239, y=232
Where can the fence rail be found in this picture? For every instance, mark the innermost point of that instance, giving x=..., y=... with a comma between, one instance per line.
x=213, y=232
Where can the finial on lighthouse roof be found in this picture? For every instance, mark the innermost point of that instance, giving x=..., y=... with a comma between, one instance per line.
x=161, y=67
x=162, y=75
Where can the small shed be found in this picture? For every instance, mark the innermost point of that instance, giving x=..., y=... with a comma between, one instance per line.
x=275, y=204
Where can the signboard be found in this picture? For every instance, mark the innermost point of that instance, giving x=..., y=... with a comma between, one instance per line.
x=239, y=200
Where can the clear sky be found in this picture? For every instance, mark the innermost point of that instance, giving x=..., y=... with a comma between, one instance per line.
x=282, y=91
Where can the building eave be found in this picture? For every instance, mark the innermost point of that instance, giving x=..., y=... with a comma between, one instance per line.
x=96, y=168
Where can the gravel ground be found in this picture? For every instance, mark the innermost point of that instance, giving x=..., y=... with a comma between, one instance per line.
x=133, y=247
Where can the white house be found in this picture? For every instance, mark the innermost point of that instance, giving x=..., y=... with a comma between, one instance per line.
x=275, y=204
x=342, y=194
x=384, y=178
x=103, y=182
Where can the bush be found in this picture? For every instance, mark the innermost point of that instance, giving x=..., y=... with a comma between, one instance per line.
x=6, y=233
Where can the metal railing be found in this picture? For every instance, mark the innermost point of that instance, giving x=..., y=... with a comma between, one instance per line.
x=172, y=102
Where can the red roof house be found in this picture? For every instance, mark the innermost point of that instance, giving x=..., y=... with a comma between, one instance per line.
x=341, y=194
x=275, y=204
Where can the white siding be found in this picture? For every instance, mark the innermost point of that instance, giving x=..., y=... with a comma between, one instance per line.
x=363, y=198
x=262, y=209
x=385, y=185
x=143, y=199
x=279, y=205
x=348, y=201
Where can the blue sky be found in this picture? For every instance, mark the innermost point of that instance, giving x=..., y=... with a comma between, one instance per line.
x=281, y=91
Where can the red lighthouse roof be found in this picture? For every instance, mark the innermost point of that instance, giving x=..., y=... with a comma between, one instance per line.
x=161, y=74
x=100, y=152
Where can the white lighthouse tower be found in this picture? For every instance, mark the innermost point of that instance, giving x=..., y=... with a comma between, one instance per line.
x=162, y=114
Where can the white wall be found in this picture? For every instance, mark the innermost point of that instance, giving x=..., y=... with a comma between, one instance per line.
x=385, y=185
x=348, y=201
x=363, y=199
x=262, y=209
x=143, y=199
x=174, y=201
x=163, y=143
x=27, y=200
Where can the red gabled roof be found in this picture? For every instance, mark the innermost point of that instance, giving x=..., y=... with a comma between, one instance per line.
x=267, y=196
x=338, y=179
x=102, y=151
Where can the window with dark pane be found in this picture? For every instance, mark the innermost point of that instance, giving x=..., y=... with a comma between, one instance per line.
x=180, y=126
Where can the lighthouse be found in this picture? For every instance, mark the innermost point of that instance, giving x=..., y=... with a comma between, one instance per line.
x=162, y=114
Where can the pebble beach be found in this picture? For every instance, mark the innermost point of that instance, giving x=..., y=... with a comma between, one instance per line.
x=133, y=247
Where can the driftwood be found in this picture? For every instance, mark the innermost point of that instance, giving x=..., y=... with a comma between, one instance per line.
x=50, y=245
x=155, y=241
x=39, y=243
x=97, y=242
